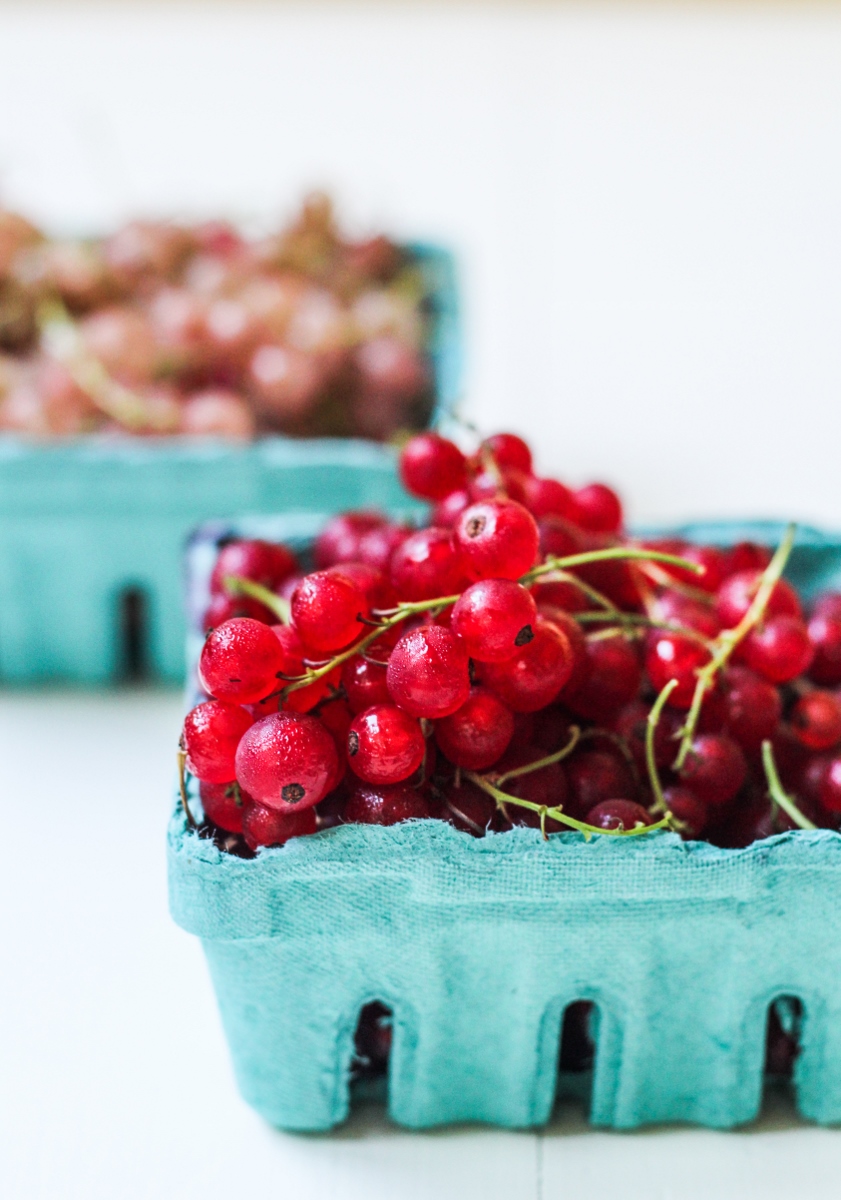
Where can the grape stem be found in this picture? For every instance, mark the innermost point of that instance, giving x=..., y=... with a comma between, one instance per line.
x=779, y=797
x=727, y=641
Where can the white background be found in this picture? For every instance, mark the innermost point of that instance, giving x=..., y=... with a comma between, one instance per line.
x=647, y=206
x=646, y=199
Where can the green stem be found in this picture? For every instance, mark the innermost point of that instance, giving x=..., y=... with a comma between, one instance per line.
x=727, y=641
x=657, y=707
x=574, y=736
x=638, y=619
x=777, y=793
x=238, y=585
x=590, y=592
x=611, y=554
x=182, y=787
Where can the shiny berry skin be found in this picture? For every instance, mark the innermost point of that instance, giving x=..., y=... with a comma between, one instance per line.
x=746, y=556
x=470, y=809
x=223, y=804
x=549, y=498
x=263, y=826
x=691, y=614
x=211, y=734
x=612, y=679
x=779, y=649
x=498, y=539
x=326, y=606
x=428, y=673
x=816, y=720
x=631, y=723
x=508, y=450
x=261, y=562
x=365, y=683
x=736, y=595
x=618, y=814
x=240, y=661
x=713, y=563
x=559, y=538
x=714, y=769
x=753, y=707
x=224, y=608
x=447, y=511
x=674, y=656
x=687, y=808
x=598, y=509
x=478, y=733
x=378, y=545
x=597, y=775
x=534, y=676
x=495, y=484
x=384, y=744
x=431, y=466
x=384, y=805
x=287, y=761
x=830, y=789
x=559, y=594
x=340, y=539
x=294, y=652
x=494, y=618
x=426, y=565
x=825, y=635
x=576, y=638
x=827, y=604
x=374, y=584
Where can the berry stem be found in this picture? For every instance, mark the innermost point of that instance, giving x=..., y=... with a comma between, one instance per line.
x=640, y=621
x=776, y=791
x=727, y=641
x=237, y=585
x=558, y=814
x=657, y=707
x=182, y=787
x=590, y=592
x=574, y=736
x=611, y=554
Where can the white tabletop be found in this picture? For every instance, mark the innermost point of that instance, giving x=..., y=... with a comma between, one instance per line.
x=114, y=1075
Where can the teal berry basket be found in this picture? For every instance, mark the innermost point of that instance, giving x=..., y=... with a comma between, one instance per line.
x=92, y=531
x=480, y=947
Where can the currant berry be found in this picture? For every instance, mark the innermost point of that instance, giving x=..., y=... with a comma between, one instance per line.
x=779, y=649
x=340, y=539
x=431, y=466
x=618, y=814
x=498, y=539
x=326, y=607
x=224, y=608
x=825, y=636
x=264, y=826
x=508, y=450
x=816, y=720
x=494, y=618
x=595, y=776
x=533, y=677
x=559, y=538
x=736, y=595
x=714, y=769
x=692, y=812
x=574, y=634
x=612, y=679
x=547, y=785
x=287, y=761
x=598, y=509
x=470, y=809
x=428, y=673
x=557, y=593
x=752, y=707
x=261, y=562
x=691, y=614
x=240, y=661
x=675, y=656
x=212, y=732
x=447, y=511
x=223, y=805
x=827, y=604
x=364, y=682
x=631, y=724
x=478, y=733
x=385, y=805
x=831, y=786
x=711, y=560
x=384, y=745
x=372, y=582
x=496, y=484
x=746, y=556
x=428, y=564
x=378, y=545
x=549, y=498
x=294, y=652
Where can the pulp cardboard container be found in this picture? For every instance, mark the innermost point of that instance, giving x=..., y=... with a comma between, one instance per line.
x=92, y=530
x=479, y=946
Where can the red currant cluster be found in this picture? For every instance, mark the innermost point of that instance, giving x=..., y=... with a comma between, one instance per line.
x=165, y=328
x=518, y=661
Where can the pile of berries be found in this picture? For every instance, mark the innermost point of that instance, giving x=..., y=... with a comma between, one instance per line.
x=165, y=329
x=520, y=660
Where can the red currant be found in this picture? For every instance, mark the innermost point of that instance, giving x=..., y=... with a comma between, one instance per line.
x=494, y=618
x=830, y=793
x=559, y=594
x=326, y=607
x=498, y=539
x=447, y=511
x=533, y=677
x=426, y=565
x=340, y=539
x=263, y=826
x=825, y=636
x=675, y=656
x=240, y=661
x=752, y=707
x=385, y=805
x=618, y=814
x=746, y=556
x=223, y=805
x=736, y=595
x=612, y=679
x=631, y=723
x=384, y=745
x=212, y=732
x=378, y=545
x=598, y=509
x=549, y=498
x=428, y=673
x=364, y=682
x=816, y=720
x=261, y=562
x=508, y=450
x=287, y=761
x=691, y=614
x=714, y=769
x=597, y=775
x=431, y=466
x=475, y=735
x=470, y=809
x=713, y=563
x=779, y=649
x=687, y=808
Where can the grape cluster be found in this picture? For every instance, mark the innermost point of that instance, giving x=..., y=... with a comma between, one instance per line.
x=519, y=660
x=166, y=329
